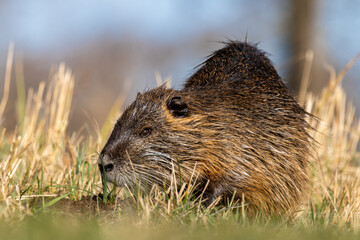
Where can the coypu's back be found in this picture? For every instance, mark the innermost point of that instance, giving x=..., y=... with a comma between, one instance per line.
x=276, y=148
x=238, y=62
x=234, y=126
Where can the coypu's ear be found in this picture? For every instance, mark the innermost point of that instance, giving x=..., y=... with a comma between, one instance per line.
x=178, y=107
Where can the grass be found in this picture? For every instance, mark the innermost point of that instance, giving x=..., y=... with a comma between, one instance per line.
x=49, y=178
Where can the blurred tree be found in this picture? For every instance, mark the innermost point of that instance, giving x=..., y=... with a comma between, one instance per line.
x=300, y=32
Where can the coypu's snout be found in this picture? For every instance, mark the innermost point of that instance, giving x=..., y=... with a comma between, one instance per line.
x=106, y=168
x=104, y=164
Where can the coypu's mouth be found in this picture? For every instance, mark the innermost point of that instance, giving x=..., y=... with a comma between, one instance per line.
x=121, y=178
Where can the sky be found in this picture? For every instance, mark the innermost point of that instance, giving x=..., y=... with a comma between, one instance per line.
x=53, y=28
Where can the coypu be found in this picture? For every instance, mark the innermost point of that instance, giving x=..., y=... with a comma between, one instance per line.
x=234, y=124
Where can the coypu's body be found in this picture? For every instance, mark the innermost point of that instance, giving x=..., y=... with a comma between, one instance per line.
x=234, y=125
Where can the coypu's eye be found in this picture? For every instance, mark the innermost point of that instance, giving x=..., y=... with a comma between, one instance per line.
x=145, y=132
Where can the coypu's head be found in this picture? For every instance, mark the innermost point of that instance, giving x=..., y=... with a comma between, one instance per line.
x=142, y=145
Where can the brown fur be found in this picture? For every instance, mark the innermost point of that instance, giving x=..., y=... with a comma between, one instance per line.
x=234, y=125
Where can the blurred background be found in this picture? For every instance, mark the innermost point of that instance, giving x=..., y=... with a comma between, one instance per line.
x=115, y=47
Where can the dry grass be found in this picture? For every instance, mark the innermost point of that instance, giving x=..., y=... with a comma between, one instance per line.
x=39, y=159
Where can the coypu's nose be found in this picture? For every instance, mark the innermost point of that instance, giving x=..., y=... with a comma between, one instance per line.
x=106, y=168
x=103, y=163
